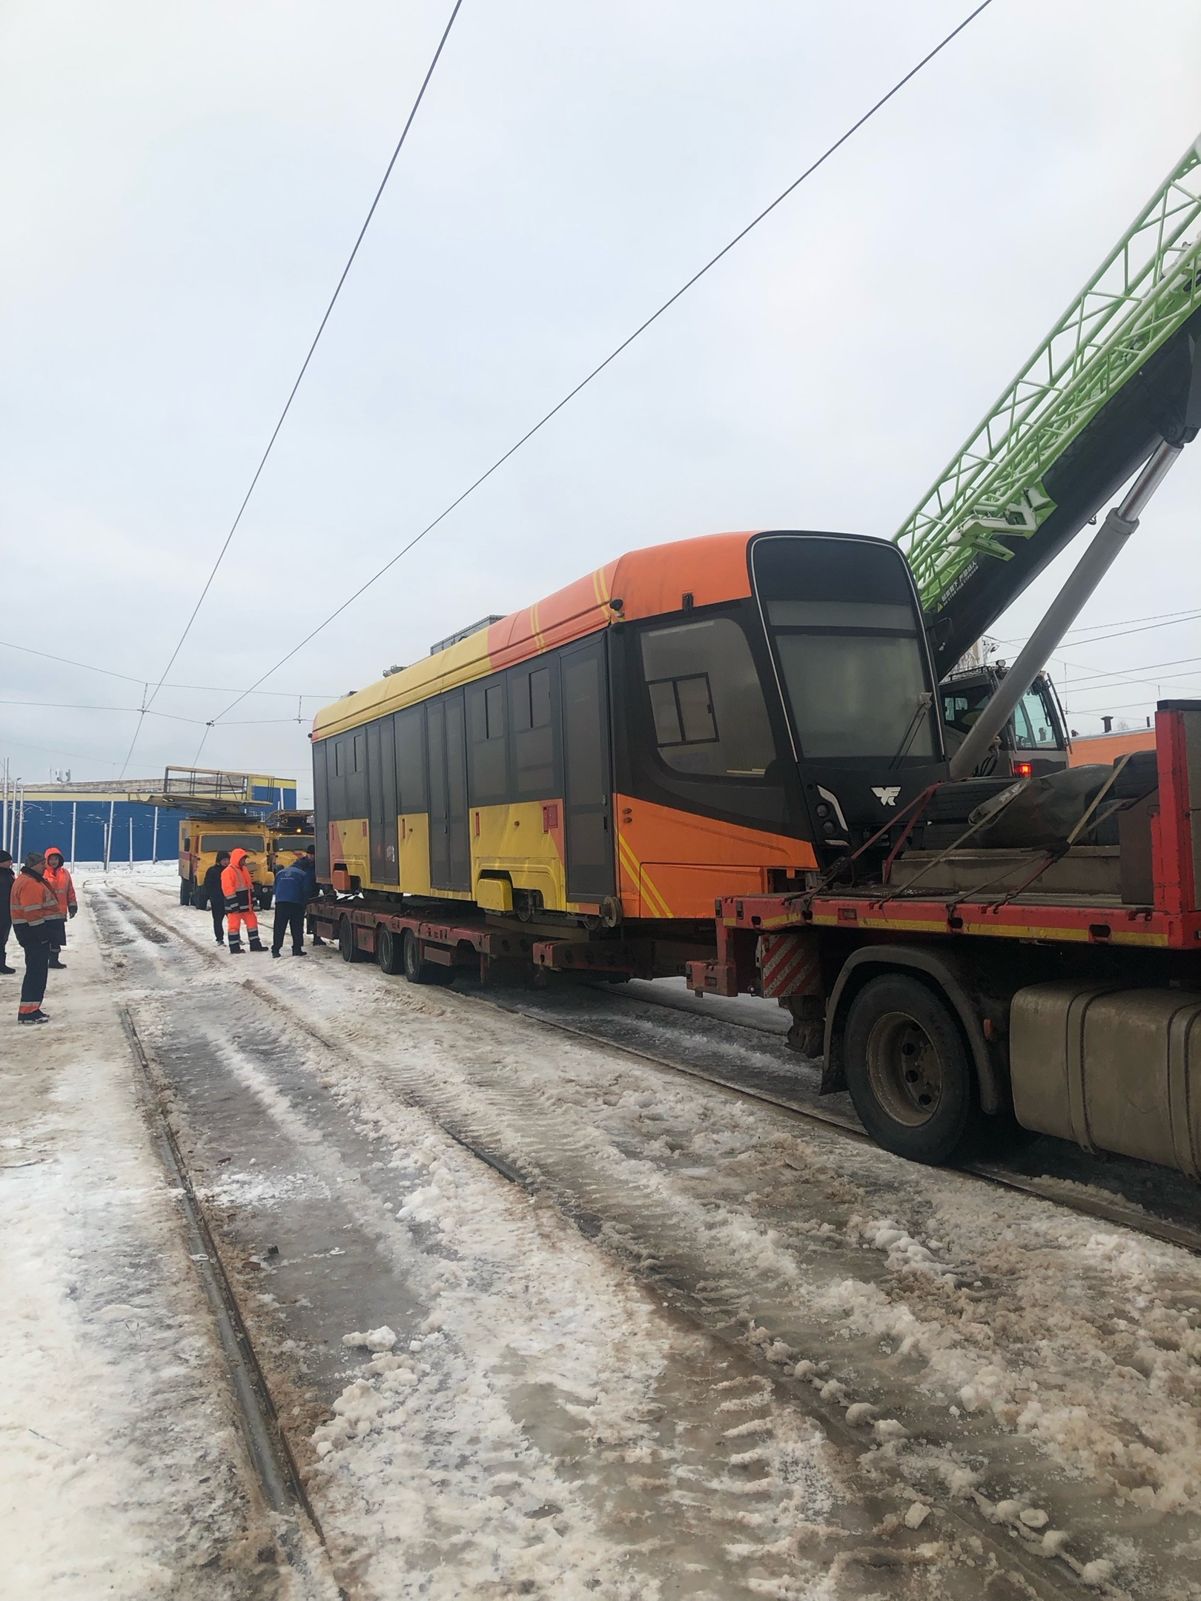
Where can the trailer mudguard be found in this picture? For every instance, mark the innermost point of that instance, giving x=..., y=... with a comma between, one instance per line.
x=946, y=974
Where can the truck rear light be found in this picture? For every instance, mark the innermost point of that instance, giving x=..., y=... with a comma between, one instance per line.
x=1023, y=769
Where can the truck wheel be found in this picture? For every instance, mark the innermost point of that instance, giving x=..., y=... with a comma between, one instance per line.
x=909, y=1072
x=421, y=972
x=185, y=892
x=347, y=948
x=265, y=900
x=389, y=951
x=199, y=899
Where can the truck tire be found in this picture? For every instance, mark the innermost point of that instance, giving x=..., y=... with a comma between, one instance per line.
x=185, y=892
x=389, y=950
x=347, y=948
x=265, y=897
x=418, y=971
x=909, y=1071
x=200, y=898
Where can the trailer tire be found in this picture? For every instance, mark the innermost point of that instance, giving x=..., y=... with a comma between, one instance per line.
x=909, y=1071
x=389, y=951
x=421, y=972
x=347, y=948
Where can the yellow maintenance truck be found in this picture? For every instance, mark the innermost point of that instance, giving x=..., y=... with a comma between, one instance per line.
x=223, y=811
x=289, y=835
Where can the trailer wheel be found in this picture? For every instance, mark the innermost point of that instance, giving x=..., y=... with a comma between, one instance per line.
x=421, y=972
x=389, y=951
x=347, y=948
x=909, y=1072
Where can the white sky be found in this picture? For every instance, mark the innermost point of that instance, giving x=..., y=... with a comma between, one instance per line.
x=183, y=182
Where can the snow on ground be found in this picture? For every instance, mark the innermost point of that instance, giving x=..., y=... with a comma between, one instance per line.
x=538, y=1425
x=700, y=1349
x=121, y=1471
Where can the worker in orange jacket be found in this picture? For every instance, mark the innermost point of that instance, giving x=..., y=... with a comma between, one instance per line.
x=58, y=876
x=238, y=888
x=34, y=910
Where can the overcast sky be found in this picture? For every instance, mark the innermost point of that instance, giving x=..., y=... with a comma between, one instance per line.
x=180, y=187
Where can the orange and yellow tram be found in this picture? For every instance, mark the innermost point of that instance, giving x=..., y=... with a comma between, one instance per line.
x=715, y=716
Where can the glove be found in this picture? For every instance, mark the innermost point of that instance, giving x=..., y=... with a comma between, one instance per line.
x=71, y=910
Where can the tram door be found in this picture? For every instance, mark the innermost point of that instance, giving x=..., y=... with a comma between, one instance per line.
x=450, y=847
x=381, y=788
x=587, y=772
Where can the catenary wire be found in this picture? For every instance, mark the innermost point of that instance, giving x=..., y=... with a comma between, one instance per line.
x=619, y=349
x=1168, y=618
x=70, y=706
x=131, y=678
x=425, y=82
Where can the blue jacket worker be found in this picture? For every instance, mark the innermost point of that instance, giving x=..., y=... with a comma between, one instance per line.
x=295, y=887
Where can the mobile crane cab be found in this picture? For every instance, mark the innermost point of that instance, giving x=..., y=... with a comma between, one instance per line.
x=1033, y=742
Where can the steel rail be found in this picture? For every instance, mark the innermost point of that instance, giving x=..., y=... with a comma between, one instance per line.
x=1100, y=1210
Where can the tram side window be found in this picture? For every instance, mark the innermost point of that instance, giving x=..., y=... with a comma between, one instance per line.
x=707, y=705
x=336, y=770
x=410, y=760
x=531, y=720
x=356, y=777
x=487, y=743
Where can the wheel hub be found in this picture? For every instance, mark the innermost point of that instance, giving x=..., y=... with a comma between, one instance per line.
x=904, y=1069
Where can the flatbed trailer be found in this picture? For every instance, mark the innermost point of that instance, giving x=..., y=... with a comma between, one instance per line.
x=430, y=942
x=952, y=1014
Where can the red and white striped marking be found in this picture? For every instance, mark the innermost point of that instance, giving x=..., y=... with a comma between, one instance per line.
x=788, y=964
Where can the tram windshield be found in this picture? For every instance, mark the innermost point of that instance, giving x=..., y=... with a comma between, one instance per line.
x=847, y=637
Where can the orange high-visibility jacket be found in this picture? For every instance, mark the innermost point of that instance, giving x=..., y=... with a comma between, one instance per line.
x=61, y=882
x=236, y=884
x=33, y=901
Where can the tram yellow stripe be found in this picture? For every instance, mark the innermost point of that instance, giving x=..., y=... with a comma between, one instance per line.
x=642, y=878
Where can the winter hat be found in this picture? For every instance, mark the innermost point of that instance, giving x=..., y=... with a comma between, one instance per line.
x=5, y=859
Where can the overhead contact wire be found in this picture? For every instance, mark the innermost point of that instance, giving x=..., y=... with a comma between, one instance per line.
x=425, y=82
x=619, y=349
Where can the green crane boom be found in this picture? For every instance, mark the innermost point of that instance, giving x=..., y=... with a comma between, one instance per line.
x=1112, y=379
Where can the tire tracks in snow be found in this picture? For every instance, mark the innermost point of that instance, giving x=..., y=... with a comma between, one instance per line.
x=626, y=1206
x=740, y=1513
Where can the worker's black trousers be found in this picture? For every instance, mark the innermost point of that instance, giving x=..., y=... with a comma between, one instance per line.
x=37, y=963
x=218, y=911
x=288, y=916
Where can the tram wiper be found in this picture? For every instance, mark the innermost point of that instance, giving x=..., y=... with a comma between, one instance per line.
x=924, y=701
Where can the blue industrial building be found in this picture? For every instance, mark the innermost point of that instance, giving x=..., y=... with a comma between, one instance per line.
x=103, y=821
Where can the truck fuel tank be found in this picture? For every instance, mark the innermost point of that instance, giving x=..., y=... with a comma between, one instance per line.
x=1113, y=1069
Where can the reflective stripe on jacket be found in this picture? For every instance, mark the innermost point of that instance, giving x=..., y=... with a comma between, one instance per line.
x=33, y=901
x=237, y=885
x=61, y=882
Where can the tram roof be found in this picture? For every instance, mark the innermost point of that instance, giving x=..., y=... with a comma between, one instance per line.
x=646, y=583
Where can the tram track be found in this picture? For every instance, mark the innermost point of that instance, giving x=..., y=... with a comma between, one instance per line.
x=297, y=1528
x=678, y=1281
x=1113, y=1213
